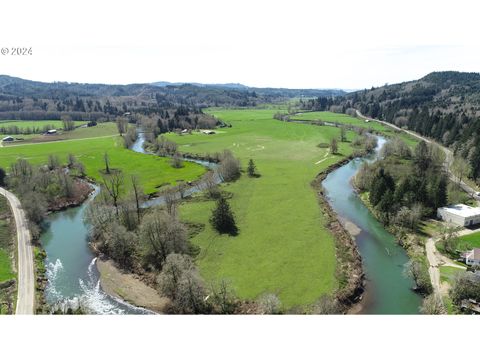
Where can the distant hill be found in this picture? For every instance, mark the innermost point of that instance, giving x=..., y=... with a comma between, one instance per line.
x=441, y=105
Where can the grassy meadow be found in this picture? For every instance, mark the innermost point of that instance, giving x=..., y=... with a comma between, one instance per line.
x=153, y=171
x=470, y=241
x=283, y=246
x=24, y=124
x=349, y=120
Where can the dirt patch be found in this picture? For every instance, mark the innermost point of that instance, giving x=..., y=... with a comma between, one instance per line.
x=352, y=229
x=129, y=288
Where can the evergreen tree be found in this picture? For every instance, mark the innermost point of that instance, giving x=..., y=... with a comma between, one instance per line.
x=2, y=177
x=222, y=218
x=251, y=168
x=333, y=146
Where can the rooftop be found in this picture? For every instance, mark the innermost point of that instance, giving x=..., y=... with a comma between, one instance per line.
x=462, y=210
x=474, y=254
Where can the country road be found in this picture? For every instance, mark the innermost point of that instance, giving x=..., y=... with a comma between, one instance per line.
x=435, y=259
x=448, y=154
x=25, y=283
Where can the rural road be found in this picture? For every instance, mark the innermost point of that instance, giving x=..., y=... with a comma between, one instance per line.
x=25, y=283
x=448, y=154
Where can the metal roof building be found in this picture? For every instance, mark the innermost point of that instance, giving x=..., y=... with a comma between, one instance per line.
x=460, y=214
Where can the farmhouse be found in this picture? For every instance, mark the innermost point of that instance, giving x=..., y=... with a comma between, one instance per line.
x=472, y=257
x=462, y=215
x=8, y=138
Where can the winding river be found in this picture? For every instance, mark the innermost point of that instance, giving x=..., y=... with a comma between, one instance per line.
x=73, y=277
x=388, y=291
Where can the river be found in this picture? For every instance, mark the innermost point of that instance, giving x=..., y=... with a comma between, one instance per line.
x=73, y=277
x=388, y=291
x=72, y=274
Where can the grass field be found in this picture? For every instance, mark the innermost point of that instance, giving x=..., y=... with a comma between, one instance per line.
x=152, y=171
x=6, y=272
x=469, y=242
x=349, y=120
x=23, y=124
x=283, y=246
x=102, y=129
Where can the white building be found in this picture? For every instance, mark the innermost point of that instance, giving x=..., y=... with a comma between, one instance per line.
x=462, y=215
x=473, y=257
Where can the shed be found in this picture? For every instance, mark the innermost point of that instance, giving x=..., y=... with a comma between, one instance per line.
x=8, y=138
x=460, y=214
x=52, y=131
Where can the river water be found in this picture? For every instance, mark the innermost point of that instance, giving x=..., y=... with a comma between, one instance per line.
x=73, y=276
x=388, y=291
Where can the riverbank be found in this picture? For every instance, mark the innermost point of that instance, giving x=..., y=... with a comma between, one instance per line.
x=349, y=269
x=128, y=287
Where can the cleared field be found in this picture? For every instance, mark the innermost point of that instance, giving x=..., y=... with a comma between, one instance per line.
x=349, y=120
x=23, y=124
x=283, y=246
x=102, y=129
x=153, y=171
x=6, y=272
x=469, y=242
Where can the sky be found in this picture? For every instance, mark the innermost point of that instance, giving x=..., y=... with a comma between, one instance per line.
x=293, y=44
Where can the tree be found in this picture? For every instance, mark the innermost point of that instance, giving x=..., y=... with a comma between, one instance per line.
x=137, y=193
x=53, y=162
x=327, y=305
x=465, y=286
x=222, y=218
x=71, y=160
x=333, y=146
x=432, y=305
x=160, y=235
x=224, y=298
x=174, y=268
x=68, y=123
x=113, y=184
x=343, y=134
x=3, y=174
x=122, y=125
x=418, y=271
x=229, y=168
x=461, y=168
x=269, y=304
x=107, y=163
x=449, y=239
x=251, y=168
x=177, y=161
x=122, y=244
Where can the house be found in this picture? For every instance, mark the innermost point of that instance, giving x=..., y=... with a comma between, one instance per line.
x=472, y=257
x=51, y=132
x=8, y=138
x=367, y=121
x=460, y=214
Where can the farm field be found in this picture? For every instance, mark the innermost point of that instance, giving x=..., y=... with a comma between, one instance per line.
x=152, y=171
x=23, y=124
x=102, y=129
x=283, y=246
x=349, y=120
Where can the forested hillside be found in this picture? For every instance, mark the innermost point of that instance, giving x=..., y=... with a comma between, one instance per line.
x=442, y=105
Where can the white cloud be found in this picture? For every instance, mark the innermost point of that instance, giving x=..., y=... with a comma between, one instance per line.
x=349, y=44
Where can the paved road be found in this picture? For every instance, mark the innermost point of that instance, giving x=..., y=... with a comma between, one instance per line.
x=26, y=282
x=448, y=154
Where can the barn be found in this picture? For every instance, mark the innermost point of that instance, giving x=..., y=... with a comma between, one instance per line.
x=460, y=214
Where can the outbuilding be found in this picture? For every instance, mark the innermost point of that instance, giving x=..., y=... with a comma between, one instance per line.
x=8, y=138
x=52, y=131
x=460, y=214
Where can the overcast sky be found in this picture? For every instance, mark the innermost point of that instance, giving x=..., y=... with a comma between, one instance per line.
x=295, y=44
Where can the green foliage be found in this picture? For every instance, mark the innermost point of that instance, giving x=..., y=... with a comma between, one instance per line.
x=222, y=218
x=251, y=169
